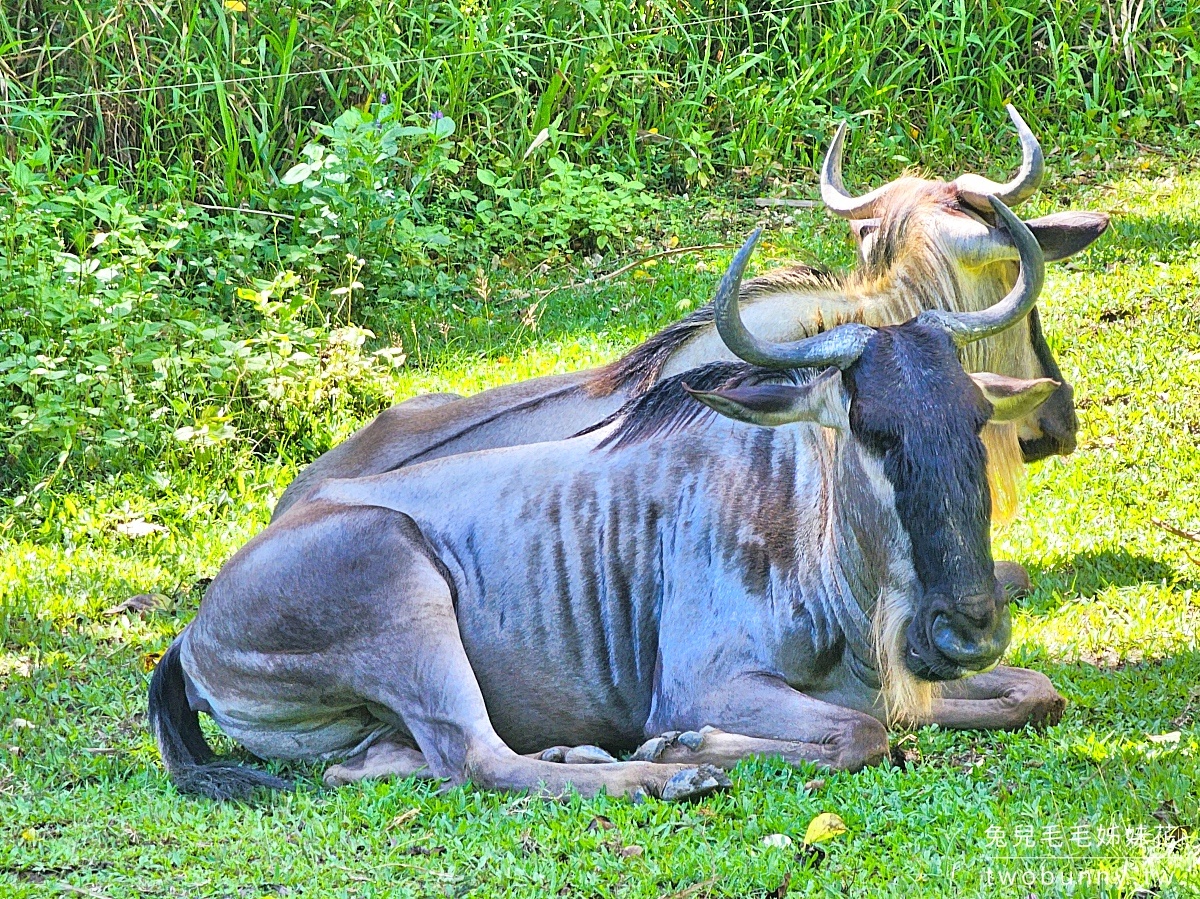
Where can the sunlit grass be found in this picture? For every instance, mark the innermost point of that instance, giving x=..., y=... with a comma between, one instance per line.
x=1112, y=620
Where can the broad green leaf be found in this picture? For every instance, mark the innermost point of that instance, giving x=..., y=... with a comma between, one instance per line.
x=297, y=173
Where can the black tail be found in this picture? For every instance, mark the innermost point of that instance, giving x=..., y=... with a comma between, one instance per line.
x=189, y=759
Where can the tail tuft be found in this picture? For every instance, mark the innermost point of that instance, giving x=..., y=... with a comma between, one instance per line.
x=226, y=780
x=185, y=753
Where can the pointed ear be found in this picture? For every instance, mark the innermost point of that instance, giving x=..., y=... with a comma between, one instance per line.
x=769, y=405
x=1064, y=234
x=860, y=228
x=1013, y=398
x=864, y=231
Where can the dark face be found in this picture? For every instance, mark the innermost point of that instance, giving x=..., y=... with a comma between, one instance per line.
x=914, y=407
x=1051, y=432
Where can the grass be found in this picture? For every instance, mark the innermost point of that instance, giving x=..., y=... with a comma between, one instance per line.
x=211, y=98
x=99, y=137
x=85, y=808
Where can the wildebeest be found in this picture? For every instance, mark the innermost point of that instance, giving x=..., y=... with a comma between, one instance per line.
x=771, y=590
x=917, y=240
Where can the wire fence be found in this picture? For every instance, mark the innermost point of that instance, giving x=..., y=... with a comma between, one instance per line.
x=541, y=43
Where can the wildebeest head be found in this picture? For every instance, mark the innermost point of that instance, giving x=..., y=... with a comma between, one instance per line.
x=928, y=231
x=906, y=399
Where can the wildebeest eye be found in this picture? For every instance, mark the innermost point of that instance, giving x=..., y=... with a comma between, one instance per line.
x=880, y=441
x=986, y=217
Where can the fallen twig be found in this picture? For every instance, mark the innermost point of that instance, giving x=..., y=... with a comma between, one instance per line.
x=1171, y=529
x=82, y=891
x=267, y=212
x=1184, y=535
x=687, y=892
x=780, y=201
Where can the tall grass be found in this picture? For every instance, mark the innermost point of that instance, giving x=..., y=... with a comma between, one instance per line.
x=204, y=96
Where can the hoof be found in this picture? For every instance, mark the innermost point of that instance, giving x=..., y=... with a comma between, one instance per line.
x=650, y=750
x=1047, y=711
x=345, y=773
x=587, y=755
x=692, y=783
x=336, y=776
x=1014, y=579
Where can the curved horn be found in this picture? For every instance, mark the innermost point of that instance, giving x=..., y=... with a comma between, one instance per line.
x=976, y=189
x=833, y=191
x=966, y=327
x=839, y=347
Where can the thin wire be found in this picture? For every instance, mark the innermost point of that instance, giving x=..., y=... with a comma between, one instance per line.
x=367, y=66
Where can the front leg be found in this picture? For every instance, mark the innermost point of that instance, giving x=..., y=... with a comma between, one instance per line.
x=759, y=714
x=1003, y=699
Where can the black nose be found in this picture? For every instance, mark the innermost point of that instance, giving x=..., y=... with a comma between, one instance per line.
x=972, y=637
x=1059, y=426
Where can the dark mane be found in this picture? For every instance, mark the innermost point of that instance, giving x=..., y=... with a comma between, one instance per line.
x=667, y=407
x=639, y=369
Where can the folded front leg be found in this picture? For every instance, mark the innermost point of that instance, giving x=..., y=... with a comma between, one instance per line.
x=1003, y=699
x=760, y=715
x=387, y=758
x=712, y=746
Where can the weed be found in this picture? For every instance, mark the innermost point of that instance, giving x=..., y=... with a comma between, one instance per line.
x=574, y=208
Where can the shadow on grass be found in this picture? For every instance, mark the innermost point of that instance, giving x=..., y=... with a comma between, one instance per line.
x=1132, y=699
x=1087, y=574
x=1133, y=238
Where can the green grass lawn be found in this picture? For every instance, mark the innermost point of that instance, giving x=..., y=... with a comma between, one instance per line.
x=1105, y=803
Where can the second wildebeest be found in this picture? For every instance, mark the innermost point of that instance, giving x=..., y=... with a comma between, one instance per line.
x=925, y=244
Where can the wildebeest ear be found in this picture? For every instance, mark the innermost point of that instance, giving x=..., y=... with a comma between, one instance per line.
x=860, y=228
x=1013, y=398
x=1064, y=234
x=821, y=401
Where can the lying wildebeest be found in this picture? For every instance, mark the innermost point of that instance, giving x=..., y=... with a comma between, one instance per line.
x=917, y=244
x=786, y=587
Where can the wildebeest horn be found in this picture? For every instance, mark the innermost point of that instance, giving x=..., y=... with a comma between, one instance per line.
x=976, y=190
x=833, y=191
x=966, y=327
x=838, y=347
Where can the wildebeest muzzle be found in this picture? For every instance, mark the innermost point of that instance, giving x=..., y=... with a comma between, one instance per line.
x=1057, y=426
x=949, y=638
x=1054, y=431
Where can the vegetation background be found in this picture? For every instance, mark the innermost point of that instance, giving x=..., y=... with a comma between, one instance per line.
x=231, y=233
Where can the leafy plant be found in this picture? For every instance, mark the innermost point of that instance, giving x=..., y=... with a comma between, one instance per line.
x=364, y=189
x=575, y=208
x=103, y=361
